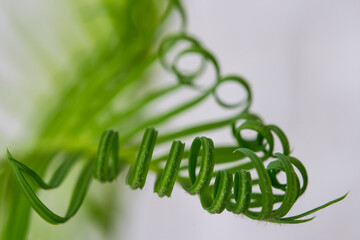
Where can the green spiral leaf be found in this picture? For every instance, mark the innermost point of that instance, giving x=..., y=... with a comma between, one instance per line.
x=231, y=192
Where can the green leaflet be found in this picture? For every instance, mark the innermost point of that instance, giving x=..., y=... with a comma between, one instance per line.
x=166, y=179
x=77, y=198
x=107, y=155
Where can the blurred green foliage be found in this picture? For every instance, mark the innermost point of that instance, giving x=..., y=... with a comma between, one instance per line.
x=109, y=46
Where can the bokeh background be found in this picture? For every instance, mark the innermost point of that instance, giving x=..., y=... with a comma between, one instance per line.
x=302, y=61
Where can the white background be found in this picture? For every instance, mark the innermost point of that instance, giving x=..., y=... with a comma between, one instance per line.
x=302, y=59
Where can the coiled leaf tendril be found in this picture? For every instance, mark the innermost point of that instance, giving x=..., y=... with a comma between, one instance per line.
x=229, y=191
x=229, y=188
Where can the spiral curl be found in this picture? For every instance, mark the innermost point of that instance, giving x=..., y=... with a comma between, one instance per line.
x=189, y=78
x=230, y=191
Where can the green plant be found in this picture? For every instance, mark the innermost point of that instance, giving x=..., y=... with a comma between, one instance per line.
x=118, y=77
